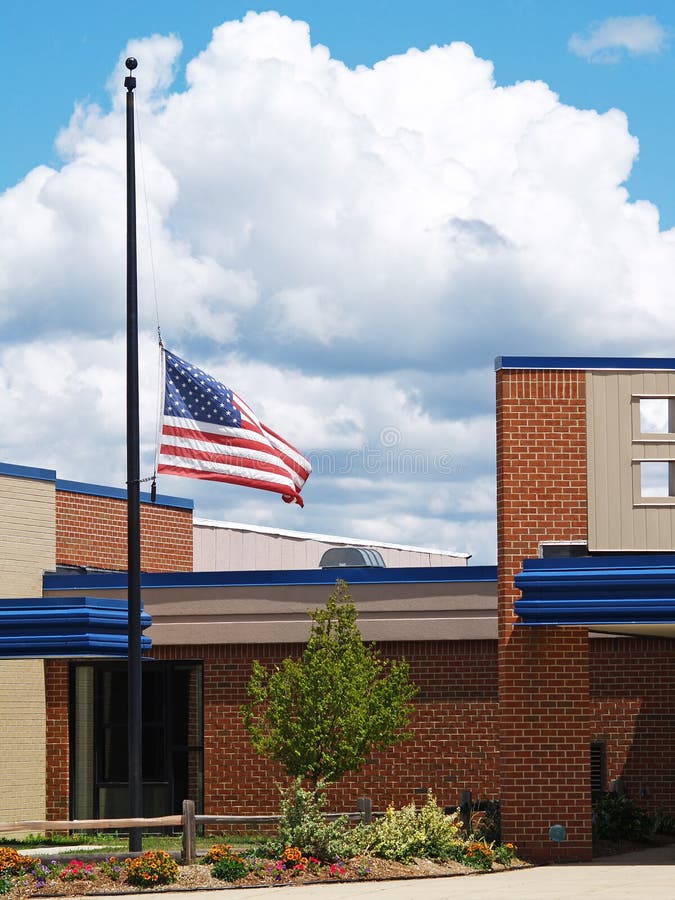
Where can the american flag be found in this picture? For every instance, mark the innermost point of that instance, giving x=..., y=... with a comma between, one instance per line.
x=209, y=432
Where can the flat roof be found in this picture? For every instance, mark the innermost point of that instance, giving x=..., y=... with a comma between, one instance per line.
x=586, y=363
x=265, y=577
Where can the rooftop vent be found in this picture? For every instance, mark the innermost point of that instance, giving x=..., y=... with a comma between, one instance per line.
x=353, y=557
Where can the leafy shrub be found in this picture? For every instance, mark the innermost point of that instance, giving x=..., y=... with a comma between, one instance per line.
x=6, y=884
x=13, y=863
x=662, y=823
x=303, y=825
x=406, y=833
x=229, y=868
x=152, y=868
x=323, y=714
x=505, y=854
x=616, y=818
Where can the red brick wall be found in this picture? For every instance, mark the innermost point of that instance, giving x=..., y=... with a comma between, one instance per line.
x=454, y=748
x=456, y=727
x=92, y=531
x=544, y=711
x=633, y=711
x=58, y=745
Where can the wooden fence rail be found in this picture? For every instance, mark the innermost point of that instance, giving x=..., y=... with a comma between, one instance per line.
x=188, y=823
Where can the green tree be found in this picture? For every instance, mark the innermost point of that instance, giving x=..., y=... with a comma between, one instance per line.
x=323, y=714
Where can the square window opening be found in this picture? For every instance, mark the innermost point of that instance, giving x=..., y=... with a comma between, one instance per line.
x=657, y=479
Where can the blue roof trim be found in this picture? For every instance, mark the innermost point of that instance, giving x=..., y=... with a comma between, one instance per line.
x=99, y=490
x=614, y=590
x=292, y=577
x=27, y=472
x=66, y=627
x=611, y=363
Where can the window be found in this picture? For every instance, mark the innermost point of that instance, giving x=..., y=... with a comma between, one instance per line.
x=653, y=450
x=172, y=764
x=655, y=415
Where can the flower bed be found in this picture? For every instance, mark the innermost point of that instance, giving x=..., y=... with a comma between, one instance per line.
x=406, y=843
x=41, y=879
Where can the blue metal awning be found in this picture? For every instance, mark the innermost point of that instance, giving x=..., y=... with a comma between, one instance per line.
x=608, y=590
x=32, y=628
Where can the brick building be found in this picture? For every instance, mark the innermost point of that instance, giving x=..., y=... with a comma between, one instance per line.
x=541, y=680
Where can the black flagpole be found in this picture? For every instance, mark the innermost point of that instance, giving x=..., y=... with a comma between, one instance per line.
x=135, y=720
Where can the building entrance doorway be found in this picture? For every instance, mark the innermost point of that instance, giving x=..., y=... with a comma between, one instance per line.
x=172, y=762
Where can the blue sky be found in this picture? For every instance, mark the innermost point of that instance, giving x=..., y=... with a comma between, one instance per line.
x=347, y=237
x=55, y=53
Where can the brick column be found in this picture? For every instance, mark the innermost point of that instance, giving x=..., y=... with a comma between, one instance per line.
x=544, y=706
x=58, y=745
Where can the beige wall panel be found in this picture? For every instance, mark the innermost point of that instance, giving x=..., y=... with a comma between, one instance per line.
x=251, y=614
x=27, y=549
x=223, y=548
x=27, y=535
x=22, y=740
x=618, y=517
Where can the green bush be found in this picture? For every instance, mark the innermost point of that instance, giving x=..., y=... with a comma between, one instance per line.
x=662, y=823
x=407, y=833
x=6, y=884
x=303, y=825
x=229, y=868
x=618, y=818
x=505, y=854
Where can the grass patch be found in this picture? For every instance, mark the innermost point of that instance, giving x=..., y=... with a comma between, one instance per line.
x=119, y=841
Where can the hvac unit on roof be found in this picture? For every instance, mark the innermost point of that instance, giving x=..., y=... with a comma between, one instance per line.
x=352, y=557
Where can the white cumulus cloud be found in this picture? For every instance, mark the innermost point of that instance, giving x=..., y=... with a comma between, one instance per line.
x=608, y=41
x=349, y=249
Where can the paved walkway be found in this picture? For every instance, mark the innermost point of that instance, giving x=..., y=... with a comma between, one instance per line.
x=648, y=874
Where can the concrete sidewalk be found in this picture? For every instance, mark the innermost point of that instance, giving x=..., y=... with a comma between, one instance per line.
x=649, y=873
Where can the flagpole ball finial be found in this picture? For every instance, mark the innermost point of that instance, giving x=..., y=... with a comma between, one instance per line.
x=131, y=63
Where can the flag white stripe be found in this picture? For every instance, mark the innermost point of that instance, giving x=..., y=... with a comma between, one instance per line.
x=238, y=433
x=206, y=465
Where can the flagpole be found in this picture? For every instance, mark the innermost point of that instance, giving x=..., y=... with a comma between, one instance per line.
x=135, y=720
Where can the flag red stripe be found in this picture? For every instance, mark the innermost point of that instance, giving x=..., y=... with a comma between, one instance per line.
x=227, y=459
x=165, y=469
x=229, y=441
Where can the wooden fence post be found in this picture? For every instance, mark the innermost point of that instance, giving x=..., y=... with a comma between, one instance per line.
x=189, y=849
x=465, y=810
x=365, y=806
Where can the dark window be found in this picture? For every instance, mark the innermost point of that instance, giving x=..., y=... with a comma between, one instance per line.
x=172, y=763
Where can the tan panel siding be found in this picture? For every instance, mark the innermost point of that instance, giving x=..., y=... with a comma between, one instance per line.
x=27, y=549
x=27, y=535
x=22, y=740
x=618, y=518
